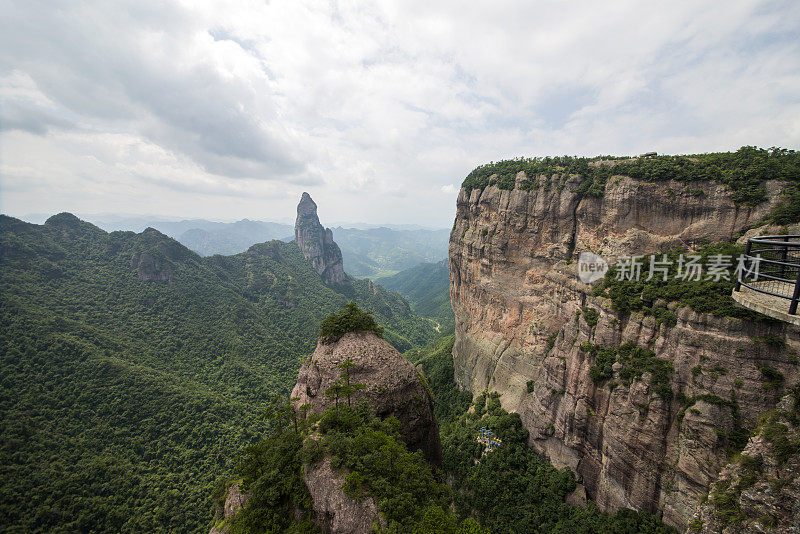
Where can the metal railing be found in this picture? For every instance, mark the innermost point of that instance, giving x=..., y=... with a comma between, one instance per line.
x=771, y=265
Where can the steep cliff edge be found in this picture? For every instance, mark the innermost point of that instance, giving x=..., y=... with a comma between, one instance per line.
x=352, y=451
x=520, y=330
x=759, y=491
x=391, y=385
x=317, y=244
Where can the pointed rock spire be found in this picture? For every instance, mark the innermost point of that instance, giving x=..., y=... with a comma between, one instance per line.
x=317, y=244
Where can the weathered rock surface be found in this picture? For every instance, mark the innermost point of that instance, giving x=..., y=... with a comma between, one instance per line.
x=234, y=500
x=513, y=285
x=334, y=511
x=392, y=387
x=150, y=269
x=156, y=262
x=317, y=244
x=761, y=491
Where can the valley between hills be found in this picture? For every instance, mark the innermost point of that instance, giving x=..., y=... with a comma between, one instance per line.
x=148, y=388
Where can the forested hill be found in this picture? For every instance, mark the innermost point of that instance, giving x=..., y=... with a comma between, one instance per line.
x=427, y=288
x=131, y=367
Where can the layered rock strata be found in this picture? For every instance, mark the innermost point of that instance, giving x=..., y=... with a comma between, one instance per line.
x=759, y=491
x=520, y=326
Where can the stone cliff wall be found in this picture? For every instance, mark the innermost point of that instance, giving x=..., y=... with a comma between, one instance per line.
x=317, y=244
x=392, y=386
x=514, y=285
x=759, y=491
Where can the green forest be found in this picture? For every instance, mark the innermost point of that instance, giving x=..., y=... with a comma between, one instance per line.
x=744, y=172
x=124, y=399
x=510, y=489
x=427, y=288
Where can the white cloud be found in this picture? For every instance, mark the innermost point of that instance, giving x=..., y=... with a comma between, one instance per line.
x=232, y=109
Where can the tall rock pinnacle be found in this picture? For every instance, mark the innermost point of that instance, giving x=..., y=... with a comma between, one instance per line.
x=317, y=244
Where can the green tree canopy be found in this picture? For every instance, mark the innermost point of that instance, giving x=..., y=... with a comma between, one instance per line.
x=351, y=318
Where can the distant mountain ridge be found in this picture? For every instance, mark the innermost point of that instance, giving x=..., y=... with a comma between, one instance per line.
x=131, y=366
x=377, y=252
x=368, y=251
x=233, y=238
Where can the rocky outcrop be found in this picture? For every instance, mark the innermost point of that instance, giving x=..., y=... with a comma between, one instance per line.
x=760, y=491
x=235, y=499
x=149, y=268
x=317, y=244
x=519, y=329
x=158, y=254
x=392, y=386
x=334, y=511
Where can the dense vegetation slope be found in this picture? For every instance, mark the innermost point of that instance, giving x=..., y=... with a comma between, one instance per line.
x=427, y=288
x=131, y=367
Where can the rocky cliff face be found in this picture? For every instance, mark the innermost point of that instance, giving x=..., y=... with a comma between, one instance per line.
x=334, y=511
x=759, y=491
x=393, y=386
x=519, y=330
x=233, y=502
x=317, y=244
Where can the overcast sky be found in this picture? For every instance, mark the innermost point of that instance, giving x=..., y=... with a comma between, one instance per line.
x=379, y=109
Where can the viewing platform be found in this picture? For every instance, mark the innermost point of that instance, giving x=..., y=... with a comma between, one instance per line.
x=769, y=280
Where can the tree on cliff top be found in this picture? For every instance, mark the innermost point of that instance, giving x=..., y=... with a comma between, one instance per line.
x=351, y=318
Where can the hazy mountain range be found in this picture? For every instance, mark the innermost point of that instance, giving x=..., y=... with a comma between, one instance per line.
x=368, y=251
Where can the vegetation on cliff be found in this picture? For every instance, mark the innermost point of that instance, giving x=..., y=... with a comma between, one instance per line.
x=351, y=318
x=787, y=211
x=743, y=171
x=131, y=368
x=511, y=489
x=378, y=464
x=271, y=472
x=704, y=294
x=758, y=490
x=375, y=461
x=634, y=362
